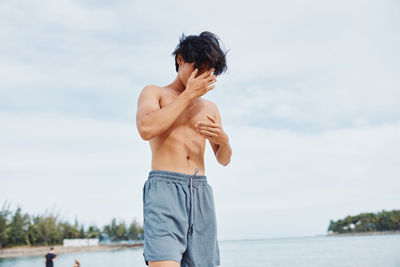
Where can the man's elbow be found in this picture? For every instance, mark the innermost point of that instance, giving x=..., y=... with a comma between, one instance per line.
x=145, y=135
x=225, y=163
x=144, y=132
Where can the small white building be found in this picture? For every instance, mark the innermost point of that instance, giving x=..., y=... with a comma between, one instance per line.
x=80, y=242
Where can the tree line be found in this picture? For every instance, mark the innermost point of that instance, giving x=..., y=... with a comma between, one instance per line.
x=367, y=222
x=18, y=228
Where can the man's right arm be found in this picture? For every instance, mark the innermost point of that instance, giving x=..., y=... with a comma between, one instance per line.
x=151, y=120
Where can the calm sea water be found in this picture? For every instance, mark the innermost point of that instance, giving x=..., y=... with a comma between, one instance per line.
x=360, y=251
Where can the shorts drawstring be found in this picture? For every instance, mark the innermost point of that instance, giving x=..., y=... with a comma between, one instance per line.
x=191, y=201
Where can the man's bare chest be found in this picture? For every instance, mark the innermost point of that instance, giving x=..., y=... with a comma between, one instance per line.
x=197, y=110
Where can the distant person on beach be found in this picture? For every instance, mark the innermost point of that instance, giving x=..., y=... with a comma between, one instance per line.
x=50, y=258
x=77, y=264
x=179, y=214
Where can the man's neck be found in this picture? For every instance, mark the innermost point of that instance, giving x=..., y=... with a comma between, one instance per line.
x=177, y=85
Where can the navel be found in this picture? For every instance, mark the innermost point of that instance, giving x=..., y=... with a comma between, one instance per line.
x=187, y=157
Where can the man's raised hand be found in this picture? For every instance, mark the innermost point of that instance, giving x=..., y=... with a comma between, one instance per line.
x=212, y=131
x=198, y=86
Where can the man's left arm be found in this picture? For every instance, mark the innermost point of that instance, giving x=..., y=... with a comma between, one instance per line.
x=219, y=140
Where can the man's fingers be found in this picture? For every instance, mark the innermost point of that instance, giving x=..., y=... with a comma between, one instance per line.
x=208, y=133
x=206, y=73
x=210, y=88
x=211, y=71
x=207, y=123
x=194, y=73
x=211, y=118
x=211, y=78
x=206, y=136
x=210, y=129
x=211, y=82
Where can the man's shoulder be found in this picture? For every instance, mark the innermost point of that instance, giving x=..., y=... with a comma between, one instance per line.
x=152, y=88
x=210, y=104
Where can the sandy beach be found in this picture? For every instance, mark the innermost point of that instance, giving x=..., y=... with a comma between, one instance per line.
x=42, y=250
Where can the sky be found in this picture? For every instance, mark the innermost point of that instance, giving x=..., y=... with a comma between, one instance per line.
x=310, y=103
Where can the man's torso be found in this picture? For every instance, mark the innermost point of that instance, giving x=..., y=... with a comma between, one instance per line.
x=181, y=148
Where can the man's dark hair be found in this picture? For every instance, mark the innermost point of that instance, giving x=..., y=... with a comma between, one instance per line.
x=203, y=50
x=51, y=248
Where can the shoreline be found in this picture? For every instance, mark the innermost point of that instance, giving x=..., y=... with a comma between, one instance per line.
x=364, y=233
x=26, y=251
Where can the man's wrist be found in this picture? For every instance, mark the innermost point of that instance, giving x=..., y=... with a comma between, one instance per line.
x=186, y=96
x=225, y=140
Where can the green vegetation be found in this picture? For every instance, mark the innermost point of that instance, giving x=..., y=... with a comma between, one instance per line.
x=367, y=222
x=18, y=228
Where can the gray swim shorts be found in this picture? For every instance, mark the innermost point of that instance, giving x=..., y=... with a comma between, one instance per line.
x=179, y=219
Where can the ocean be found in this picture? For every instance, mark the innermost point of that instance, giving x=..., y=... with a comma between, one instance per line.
x=318, y=251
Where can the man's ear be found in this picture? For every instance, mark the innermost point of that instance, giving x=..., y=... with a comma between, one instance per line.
x=179, y=59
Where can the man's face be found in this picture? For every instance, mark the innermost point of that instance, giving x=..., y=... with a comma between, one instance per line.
x=186, y=69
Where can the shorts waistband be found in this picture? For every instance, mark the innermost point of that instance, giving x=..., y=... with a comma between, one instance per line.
x=177, y=176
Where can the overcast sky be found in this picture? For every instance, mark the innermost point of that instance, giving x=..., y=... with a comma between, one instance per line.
x=310, y=102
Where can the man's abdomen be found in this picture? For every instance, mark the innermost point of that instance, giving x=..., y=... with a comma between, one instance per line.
x=183, y=157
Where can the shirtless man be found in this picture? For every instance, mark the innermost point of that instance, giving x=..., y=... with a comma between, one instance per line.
x=179, y=211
